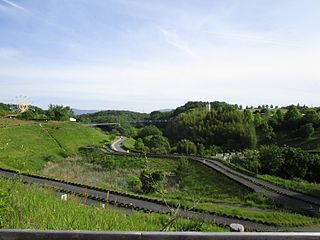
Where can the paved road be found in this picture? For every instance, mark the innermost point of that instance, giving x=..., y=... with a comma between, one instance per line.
x=289, y=199
x=139, y=202
x=117, y=145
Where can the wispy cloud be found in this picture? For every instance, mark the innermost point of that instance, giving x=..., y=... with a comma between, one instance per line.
x=173, y=38
x=14, y=5
x=258, y=38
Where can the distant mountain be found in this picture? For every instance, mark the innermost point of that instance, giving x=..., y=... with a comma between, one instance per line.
x=80, y=111
x=166, y=110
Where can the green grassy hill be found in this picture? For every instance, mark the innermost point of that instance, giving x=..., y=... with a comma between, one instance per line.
x=27, y=145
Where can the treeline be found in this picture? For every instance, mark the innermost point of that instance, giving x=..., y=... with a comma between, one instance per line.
x=285, y=162
x=194, y=129
x=54, y=112
x=295, y=121
x=224, y=126
x=113, y=116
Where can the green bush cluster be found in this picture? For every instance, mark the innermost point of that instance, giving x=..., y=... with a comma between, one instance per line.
x=286, y=162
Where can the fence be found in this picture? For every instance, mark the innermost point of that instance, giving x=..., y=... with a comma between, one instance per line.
x=97, y=235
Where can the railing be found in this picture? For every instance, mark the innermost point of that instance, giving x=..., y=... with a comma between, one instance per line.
x=97, y=235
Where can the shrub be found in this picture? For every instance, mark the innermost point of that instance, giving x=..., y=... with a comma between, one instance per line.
x=151, y=182
x=134, y=183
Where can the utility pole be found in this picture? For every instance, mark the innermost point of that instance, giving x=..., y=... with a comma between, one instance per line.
x=209, y=106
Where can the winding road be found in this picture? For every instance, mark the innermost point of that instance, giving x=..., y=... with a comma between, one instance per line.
x=295, y=201
x=130, y=202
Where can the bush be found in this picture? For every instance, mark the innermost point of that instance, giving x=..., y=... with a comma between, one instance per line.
x=151, y=182
x=249, y=160
x=157, y=144
x=271, y=159
x=139, y=145
x=186, y=146
x=134, y=183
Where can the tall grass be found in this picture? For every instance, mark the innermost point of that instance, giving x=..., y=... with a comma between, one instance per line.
x=30, y=207
x=312, y=189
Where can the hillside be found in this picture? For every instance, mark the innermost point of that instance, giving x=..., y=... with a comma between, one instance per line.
x=113, y=116
x=28, y=145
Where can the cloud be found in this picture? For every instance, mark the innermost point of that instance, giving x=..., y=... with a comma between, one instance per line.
x=253, y=37
x=14, y=5
x=175, y=40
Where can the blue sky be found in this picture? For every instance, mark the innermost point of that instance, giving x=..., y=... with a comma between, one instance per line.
x=143, y=55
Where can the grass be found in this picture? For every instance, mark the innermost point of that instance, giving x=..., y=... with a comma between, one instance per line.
x=31, y=207
x=312, y=189
x=214, y=192
x=28, y=146
x=276, y=217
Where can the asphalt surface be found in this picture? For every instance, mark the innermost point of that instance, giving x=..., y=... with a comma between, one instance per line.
x=288, y=199
x=98, y=196
x=117, y=145
x=133, y=203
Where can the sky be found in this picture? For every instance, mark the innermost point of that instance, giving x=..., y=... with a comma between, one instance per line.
x=144, y=55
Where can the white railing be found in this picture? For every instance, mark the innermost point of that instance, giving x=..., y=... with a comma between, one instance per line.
x=9, y=234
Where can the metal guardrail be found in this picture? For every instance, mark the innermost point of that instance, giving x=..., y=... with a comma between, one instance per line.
x=9, y=234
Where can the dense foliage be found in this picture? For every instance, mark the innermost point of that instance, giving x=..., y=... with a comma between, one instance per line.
x=285, y=162
x=113, y=116
x=224, y=126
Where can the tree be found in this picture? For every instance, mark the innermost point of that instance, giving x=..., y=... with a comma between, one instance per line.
x=157, y=144
x=249, y=161
x=271, y=159
x=292, y=117
x=139, y=145
x=148, y=131
x=275, y=121
x=127, y=130
x=59, y=112
x=151, y=182
x=295, y=164
x=257, y=120
x=27, y=115
x=248, y=115
x=267, y=132
x=201, y=150
x=312, y=117
x=306, y=131
x=134, y=183
x=186, y=146
x=184, y=170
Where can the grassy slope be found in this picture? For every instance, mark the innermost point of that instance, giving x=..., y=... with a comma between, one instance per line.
x=203, y=181
x=25, y=145
x=30, y=207
x=211, y=188
x=312, y=189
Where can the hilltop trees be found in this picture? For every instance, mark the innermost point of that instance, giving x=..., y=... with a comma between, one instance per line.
x=157, y=144
x=59, y=112
x=285, y=162
x=224, y=126
x=148, y=131
x=292, y=118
